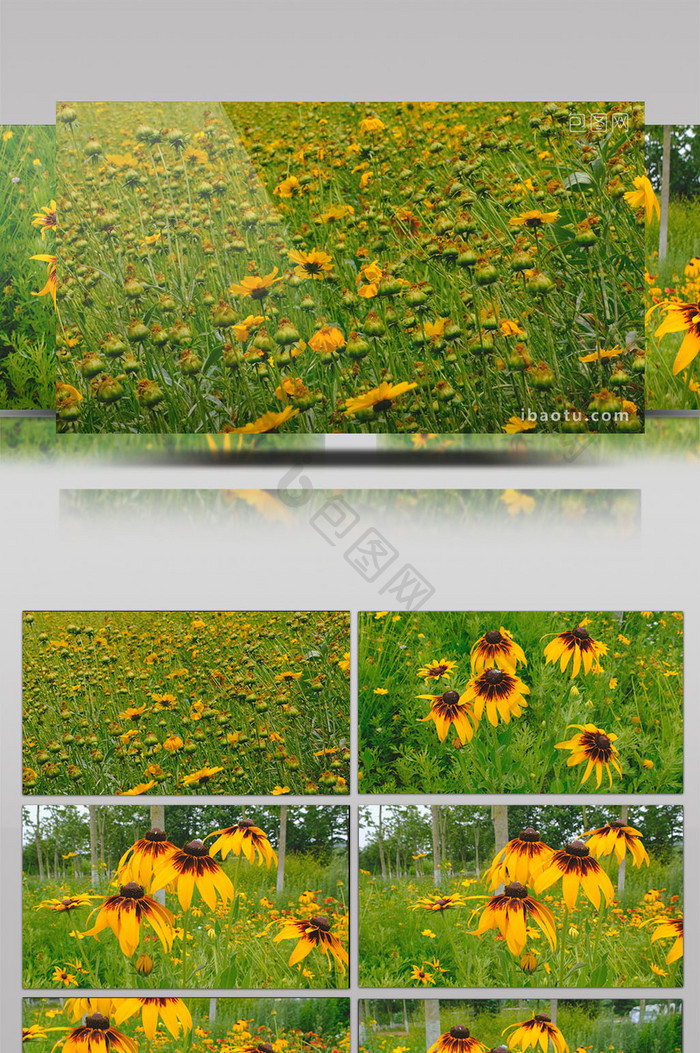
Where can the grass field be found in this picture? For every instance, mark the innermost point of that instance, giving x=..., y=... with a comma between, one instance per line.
x=326, y=267
x=637, y=696
x=416, y=933
x=186, y=702
x=27, y=317
x=674, y=278
x=224, y=937
x=202, y=1025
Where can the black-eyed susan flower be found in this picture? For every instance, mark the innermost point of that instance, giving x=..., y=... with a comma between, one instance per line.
x=500, y=693
x=379, y=399
x=192, y=867
x=436, y=670
x=96, y=1035
x=255, y=286
x=579, y=645
x=682, y=318
x=422, y=976
x=314, y=932
x=45, y=218
x=521, y=860
x=36, y=1031
x=437, y=903
x=269, y=421
x=172, y=1011
x=643, y=196
x=247, y=838
x=124, y=913
x=63, y=977
x=672, y=929
x=315, y=264
x=67, y=904
x=50, y=286
x=138, y=862
x=538, y=1031
x=577, y=868
x=136, y=791
x=448, y=709
x=496, y=649
x=533, y=219
x=457, y=1040
x=202, y=775
x=510, y=912
x=594, y=746
x=619, y=838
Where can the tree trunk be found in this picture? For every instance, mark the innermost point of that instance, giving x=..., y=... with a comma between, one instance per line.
x=642, y=1010
x=282, y=848
x=432, y=1021
x=477, y=865
x=94, y=869
x=37, y=842
x=665, y=193
x=553, y=1005
x=622, y=868
x=157, y=814
x=405, y=1017
x=499, y=817
x=212, y=1010
x=435, y=820
x=398, y=862
x=380, y=845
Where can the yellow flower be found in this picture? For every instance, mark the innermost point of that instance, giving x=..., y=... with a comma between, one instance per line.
x=314, y=264
x=269, y=421
x=378, y=399
x=514, y=425
x=533, y=219
x=255, y=286
x=371, y=124
x=327, y=340
x=644, y=197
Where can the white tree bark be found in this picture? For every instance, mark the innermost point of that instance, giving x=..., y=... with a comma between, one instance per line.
x=665, y=193
x=435, y=822
x=432, y=1021
x=282, y=848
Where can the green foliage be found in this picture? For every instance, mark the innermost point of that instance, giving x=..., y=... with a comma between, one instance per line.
x=27, y=321
x=638, y=697
x=685, y=158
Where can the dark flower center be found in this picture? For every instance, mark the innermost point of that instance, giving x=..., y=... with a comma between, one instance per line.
x=543, y=1018
x=132, y=891
x=577, y=848
x=450, y=697
x=515, y=890
x=602, y=741
x=156, y=834
x=493, y=676
x=438, y=670
x=581, y=634
x=195, y=848
x=97, y=1022
x=245, y=824
x=618, y=824
x=265, y=1047
x=382, y=405
x=66, y=902
x=459, y=1032
x=528, y=834
x=493, y=637
x=321, y=923
x=533, y=221
x=312, y=268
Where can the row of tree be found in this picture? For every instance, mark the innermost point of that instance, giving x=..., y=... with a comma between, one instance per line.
x=62, y=841
x=408, y=841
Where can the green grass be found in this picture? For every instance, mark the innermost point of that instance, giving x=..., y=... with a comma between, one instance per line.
x=664, y=390
x=638, y=697
x=594, y=949
x=119, y=700
x=169, y=207
x=27, y=321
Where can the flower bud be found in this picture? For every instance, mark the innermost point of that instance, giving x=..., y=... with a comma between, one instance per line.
x=144, y=964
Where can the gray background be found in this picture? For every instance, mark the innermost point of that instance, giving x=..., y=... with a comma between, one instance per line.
x=95, y=50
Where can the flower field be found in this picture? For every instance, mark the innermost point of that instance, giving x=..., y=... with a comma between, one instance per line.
x=673, y=284
x=175, y=1025
x=583, y=1026
x=521, y=702
x=27, y=247
x=571, y=898
x=178, y=702
x=124, y=897
x=328, y=267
